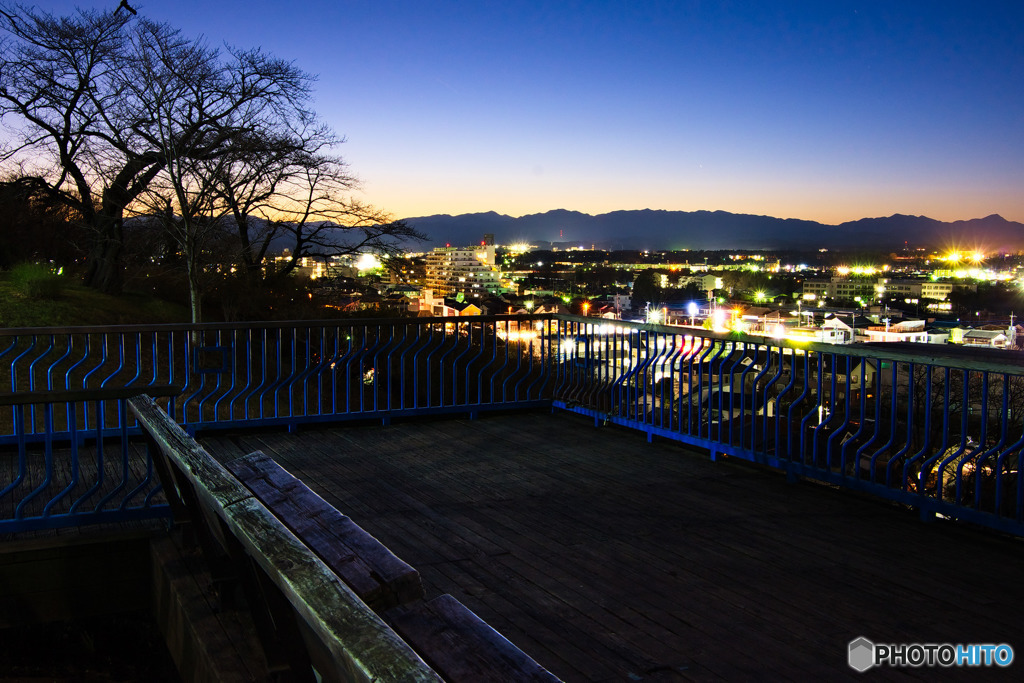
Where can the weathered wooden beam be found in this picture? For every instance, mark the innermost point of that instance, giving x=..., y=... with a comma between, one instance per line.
x=367, y=566
x=214, y=485
x=345, y=638
x=354, y=640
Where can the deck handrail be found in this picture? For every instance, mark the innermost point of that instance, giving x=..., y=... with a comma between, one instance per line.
x=353, y=643
x=935, y=427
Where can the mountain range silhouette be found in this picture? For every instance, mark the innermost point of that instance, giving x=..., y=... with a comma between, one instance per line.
x=695, y=230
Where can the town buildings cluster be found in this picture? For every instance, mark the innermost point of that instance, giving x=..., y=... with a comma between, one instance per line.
x=911, y=299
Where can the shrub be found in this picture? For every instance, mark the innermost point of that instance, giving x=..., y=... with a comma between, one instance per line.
x=36, y=281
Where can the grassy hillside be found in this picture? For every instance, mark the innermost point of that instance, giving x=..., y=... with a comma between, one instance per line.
x=77, y=305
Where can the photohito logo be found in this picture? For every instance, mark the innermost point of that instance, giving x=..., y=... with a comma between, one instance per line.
x=862, y=654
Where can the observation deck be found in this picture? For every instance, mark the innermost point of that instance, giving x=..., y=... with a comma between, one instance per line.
x=608, y=558
x=622, y=501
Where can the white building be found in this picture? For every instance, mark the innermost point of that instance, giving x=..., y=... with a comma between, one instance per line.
x=903, y=331
x=467, y=270
x=996, y=339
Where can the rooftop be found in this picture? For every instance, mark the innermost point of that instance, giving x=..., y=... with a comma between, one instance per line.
x=608, y=558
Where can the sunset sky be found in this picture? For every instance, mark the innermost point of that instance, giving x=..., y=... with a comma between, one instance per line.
x=828, y=111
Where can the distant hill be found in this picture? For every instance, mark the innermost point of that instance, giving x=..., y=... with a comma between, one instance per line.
x=662, y=230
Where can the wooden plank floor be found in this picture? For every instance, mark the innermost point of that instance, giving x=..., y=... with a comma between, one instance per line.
x=607, y=558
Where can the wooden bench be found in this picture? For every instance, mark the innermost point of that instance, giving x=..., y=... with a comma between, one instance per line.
x=373, y=572
x=362, y=605
x=454, y=641
x=461, y=646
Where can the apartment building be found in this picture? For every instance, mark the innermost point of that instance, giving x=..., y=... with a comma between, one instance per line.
x=842, y=288
x=470, y=271
x=874, y=289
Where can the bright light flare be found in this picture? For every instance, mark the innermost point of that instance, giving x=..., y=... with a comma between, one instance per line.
x=518, y=335
x=367, y=262
x=718, y=320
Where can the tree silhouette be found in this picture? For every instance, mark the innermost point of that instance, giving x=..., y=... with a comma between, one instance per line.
x=119, y=116
x=646, y=289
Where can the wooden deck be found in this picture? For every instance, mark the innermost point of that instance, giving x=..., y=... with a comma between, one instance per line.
x=607, y=558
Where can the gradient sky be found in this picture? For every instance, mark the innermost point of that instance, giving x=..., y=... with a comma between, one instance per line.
x=828, y=111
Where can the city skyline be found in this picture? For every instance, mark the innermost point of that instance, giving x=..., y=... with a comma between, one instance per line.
x=826, y=113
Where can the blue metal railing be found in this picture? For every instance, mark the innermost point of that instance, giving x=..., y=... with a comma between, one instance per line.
x=935, y=428
x=79, y=480
x=927, y=428
x=289, y=373
x=231, y=376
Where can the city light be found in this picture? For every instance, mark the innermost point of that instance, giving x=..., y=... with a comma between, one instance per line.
x=855, y=286
x=519, y=248
x=518, y=335
x=367, y=262
x=718, y=320
x=858, y=270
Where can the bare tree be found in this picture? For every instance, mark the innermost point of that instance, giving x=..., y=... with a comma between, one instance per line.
x=287, y=188
x=59, y=77
x=201, y=105
x=101, y=103
x=120, y=116
x=192, y=220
